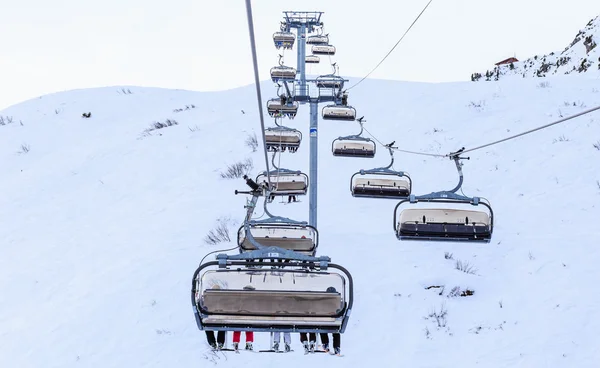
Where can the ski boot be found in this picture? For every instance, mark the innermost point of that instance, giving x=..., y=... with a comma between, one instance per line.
x=276, y=346
x=338, y=352
x=312, y=346
x=287, y=348
x=326, y=348
x=249, y=346
x=306, y=348
x=236, y=346
x=219, y=346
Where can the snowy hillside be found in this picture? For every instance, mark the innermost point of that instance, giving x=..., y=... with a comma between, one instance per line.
x=581, y=56
x=103, y=221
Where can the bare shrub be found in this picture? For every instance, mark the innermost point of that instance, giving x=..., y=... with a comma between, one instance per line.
x=543, y=85
x=252, y=142
x=439, y=316
x=562, y=138
x=221, y=232
x=5, y=120
x=465, y=267
x=24, y=148
x=479, y=106
x=597, y=145
x=448, y=255
x=193, y=129
x=237, y=169
x=159, y=125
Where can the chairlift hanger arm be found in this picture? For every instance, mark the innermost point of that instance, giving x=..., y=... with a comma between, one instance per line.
x=287, y=89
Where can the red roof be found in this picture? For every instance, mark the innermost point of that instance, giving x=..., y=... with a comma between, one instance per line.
x=507, y=61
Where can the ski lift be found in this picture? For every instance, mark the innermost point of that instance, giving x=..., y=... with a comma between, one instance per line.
x=284, y=39
x=279, y=232
x=339, y=112
x=329, y=81
x=323, y=50
x=277, y=107
x=284, y=182
x=354, y=145
x=450, y=223
x=281, y=138
x=282, y=72
x=312, y=59
x=318, y=40
x=381, y=182
x=272, y=289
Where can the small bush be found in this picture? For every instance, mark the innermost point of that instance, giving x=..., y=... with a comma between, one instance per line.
x=543, y=85
x=221, y=232
x=439, y=316
x=252, y=142
x=5, y=120
x=597, y=145
x=160, y=125
x=562, y=138
x=465, y=267
x=238, y=169
x=448, y=255
x=24, y=148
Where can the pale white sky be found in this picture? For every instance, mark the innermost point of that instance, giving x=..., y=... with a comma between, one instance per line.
x=49, y=46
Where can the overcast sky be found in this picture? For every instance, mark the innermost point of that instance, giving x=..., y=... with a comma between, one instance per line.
x=49, y=46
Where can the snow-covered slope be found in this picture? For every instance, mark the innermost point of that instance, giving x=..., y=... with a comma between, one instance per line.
x=581, y=56
x=103, y=226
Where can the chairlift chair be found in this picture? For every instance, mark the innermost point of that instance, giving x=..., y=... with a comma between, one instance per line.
x=279, y=232
x=312, y=59
x=277, y=108
x=323, y=50
x=381, y=182
x=329, y=81
x=282, y=72
x=339, y=112
x=280, y=138
x=284, y=39
x=354, y=145
x=318, y=40
x=272, y=290
x=284, y=182
x=448, y=223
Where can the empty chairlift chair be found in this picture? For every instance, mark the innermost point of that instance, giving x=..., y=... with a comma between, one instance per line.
x=381, y=183
x=279, y=232
x=354, y=145
x=281, y=138
x=339, y=112
x=284, y=40
x=312, y=59
x=277, y=107
x=272, y=290
x=329, y=81
x=450, y=222
x=282, y=72
x=323, y=50
x=318, y=40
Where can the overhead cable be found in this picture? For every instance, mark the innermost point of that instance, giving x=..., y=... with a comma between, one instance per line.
x=257, y=82
x=397, y=43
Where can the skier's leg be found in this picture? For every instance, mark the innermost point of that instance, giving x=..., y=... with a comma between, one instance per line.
x=337, y=342
x=249, y=336
x=236, y=336
x=221, y=337
x=287, y=338
x=210, y=338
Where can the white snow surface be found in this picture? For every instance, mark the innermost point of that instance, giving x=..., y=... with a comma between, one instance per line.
x=103, y=226
x=582, y=55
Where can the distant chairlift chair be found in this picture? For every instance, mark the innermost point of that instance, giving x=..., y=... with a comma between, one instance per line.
x=354, y=145
x=381, y=182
